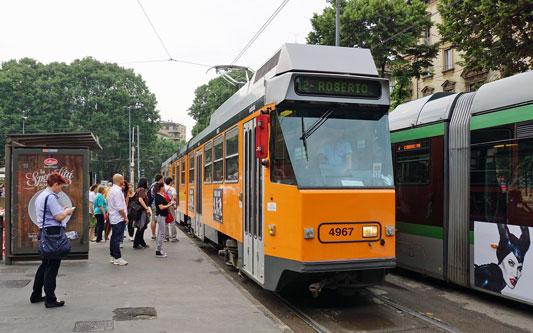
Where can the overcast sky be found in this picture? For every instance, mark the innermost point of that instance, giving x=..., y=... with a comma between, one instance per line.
x=210, y=32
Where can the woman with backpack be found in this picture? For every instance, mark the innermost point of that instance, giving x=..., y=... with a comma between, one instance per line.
x=161, y=207
x=141, y=223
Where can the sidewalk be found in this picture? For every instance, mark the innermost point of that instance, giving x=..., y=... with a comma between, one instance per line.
x=188, y=293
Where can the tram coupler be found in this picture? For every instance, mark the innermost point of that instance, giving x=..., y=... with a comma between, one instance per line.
x=316, y=288
x=230, y=253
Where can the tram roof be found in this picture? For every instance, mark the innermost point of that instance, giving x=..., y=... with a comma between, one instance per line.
x=514, y=90
x=426, y=110
x=289, y=58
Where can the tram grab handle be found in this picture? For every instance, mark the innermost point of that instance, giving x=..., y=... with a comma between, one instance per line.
x=261, y=135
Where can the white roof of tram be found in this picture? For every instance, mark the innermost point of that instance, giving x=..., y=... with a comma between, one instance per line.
x=509, y=91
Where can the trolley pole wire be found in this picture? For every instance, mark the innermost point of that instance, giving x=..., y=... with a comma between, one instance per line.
x=265, y=25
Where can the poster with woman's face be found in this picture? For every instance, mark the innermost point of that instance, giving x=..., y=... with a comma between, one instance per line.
x=503, y=259
x=31, y=176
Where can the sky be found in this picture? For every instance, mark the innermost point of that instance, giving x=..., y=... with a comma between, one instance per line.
x=208, y=32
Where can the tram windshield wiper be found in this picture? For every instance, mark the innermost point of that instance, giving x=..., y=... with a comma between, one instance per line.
x=312, y=129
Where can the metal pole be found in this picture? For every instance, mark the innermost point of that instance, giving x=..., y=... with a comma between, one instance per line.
x=129, y=142
x=23, y=120
x=132, y=166
x=138, y=155
x=337, y=25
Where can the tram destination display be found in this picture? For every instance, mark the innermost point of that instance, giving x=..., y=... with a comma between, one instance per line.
x=337, y=87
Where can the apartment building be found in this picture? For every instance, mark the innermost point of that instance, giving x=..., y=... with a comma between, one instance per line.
x=173, y=131
x=446, y=74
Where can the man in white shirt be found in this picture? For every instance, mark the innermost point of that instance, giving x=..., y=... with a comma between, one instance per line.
x=172, y=194
x=116, y=207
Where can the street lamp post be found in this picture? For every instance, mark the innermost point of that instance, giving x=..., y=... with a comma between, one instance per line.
x=129, y=142
x=23, y=121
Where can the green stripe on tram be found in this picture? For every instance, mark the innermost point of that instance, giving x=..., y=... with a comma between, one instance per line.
x=420, y=230
x=418, y=133
x=509, y=116
x=426, y=230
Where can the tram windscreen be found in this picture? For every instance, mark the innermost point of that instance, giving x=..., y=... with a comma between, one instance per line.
x=331, y=147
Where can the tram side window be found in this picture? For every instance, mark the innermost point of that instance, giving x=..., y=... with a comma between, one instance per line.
x=208, y=162
x=501, y=179
x=183, y=171
x=232, y=155
x=218, y=159
x=191, y=168
x=282, y=170
x=413, y=162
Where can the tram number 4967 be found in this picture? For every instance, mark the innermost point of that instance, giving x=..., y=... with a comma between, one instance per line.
x=340, y=231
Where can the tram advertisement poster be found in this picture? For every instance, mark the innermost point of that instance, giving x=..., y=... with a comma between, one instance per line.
x=33, y=166
x=217, y=205
x=503, y=259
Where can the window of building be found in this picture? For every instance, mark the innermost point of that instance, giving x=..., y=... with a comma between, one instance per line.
x=183, y=171
x=218, y=159
x=208, y=162
x=191, y=168
x=427, y=36
x=232, y=155
x=448, y=59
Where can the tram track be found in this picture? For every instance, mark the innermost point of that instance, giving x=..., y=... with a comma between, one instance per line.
x=377, y=309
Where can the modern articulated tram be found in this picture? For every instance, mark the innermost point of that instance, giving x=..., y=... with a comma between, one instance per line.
x=464, y=186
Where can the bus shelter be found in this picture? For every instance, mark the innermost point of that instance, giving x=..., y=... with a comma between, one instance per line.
x=30, y=158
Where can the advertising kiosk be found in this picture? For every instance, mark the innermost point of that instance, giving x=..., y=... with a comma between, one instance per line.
x=30, y=158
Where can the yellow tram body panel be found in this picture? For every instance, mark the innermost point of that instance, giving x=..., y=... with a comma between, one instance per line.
x=322, y=210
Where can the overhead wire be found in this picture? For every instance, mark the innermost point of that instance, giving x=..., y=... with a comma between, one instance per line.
x=170, y=58
x=260, y=31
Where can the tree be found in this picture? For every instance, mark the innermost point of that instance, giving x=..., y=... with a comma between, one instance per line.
x=86, y=95
x=209, y=97
x=159, y=151
x=390, y=29
x=492, y=34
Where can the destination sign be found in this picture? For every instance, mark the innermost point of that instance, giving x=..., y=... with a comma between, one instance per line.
x=337, y=87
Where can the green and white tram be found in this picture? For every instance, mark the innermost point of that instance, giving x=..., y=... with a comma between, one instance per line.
x=464, y=186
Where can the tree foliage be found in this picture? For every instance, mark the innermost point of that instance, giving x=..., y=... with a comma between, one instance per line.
x=85, y=95
x=390, y=29
x=492, y=34
x=159, y=151
x=209, y=97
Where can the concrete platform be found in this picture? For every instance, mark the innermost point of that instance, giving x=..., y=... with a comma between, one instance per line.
x=188, y=292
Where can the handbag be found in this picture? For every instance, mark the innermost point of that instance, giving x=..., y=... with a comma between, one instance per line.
x=135, y=210
x=169, y=218
x=53, y=246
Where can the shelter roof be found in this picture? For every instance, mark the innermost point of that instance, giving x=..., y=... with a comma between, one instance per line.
x=57, y=140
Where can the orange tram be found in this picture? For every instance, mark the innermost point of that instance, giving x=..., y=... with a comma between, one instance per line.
x=293, y=176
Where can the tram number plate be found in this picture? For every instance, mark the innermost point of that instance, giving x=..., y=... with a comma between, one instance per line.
x=343, y=232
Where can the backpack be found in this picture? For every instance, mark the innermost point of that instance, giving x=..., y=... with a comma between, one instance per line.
x=151, y=194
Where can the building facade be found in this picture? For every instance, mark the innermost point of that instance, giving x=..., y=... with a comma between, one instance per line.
x=173, y=131
x=446, y=75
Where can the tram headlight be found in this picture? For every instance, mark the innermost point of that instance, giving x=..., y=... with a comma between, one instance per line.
x=389, y=230
x=370, y=231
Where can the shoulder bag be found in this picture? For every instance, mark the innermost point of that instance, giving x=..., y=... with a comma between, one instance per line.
x=53, y=246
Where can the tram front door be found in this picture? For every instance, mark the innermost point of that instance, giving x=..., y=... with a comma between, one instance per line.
x=253, y=198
